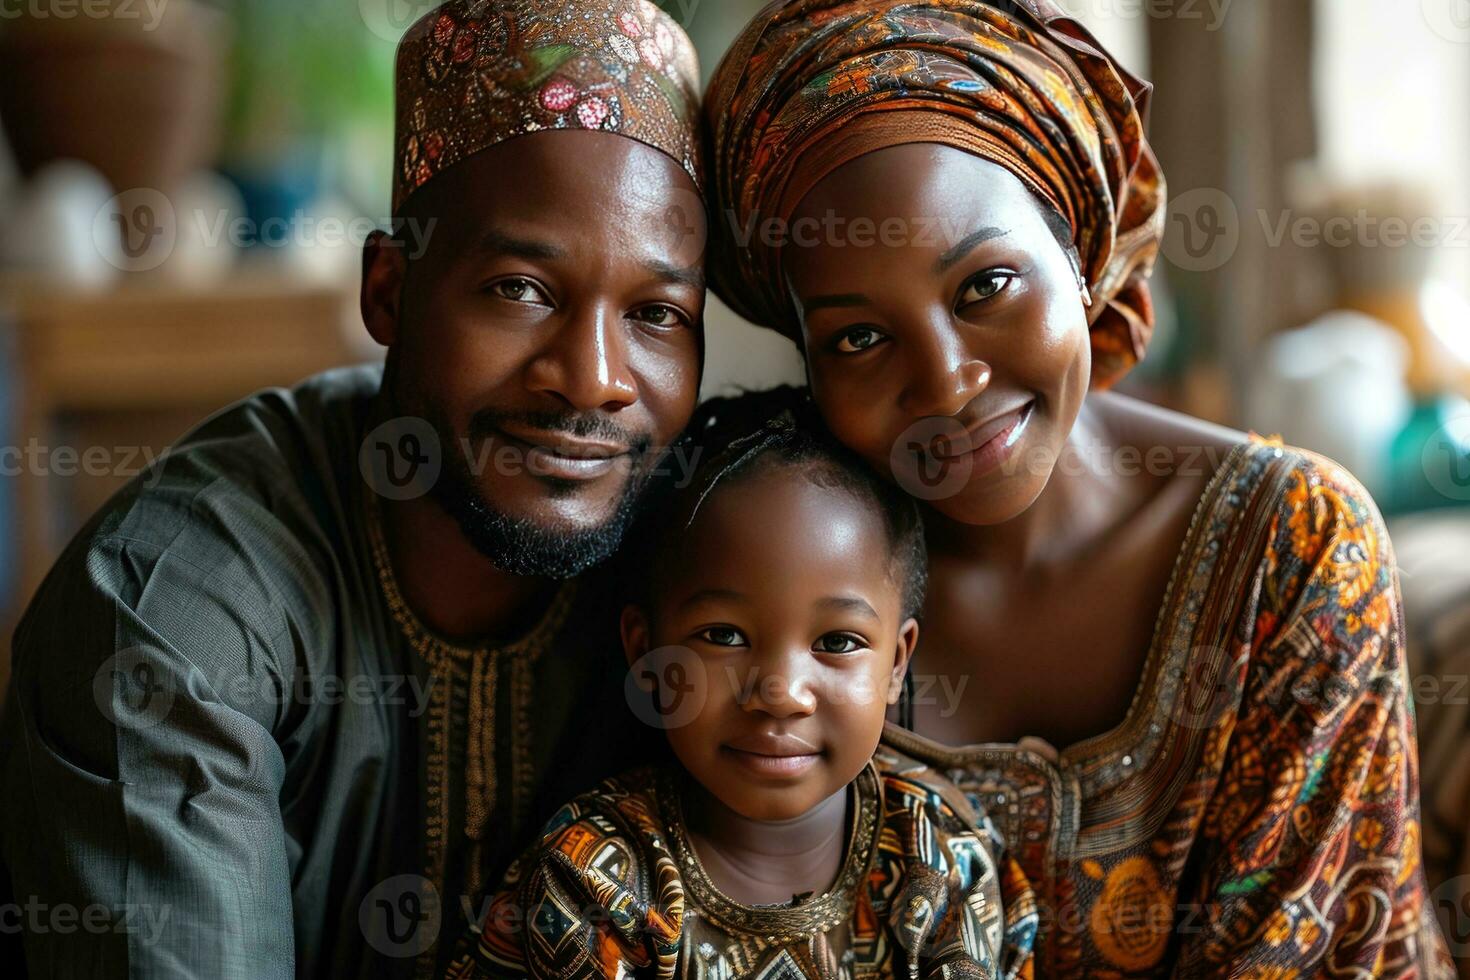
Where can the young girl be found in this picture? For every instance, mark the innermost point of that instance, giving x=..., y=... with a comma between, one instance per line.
x=775, y=630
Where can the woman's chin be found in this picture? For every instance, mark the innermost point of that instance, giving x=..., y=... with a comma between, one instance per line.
x=992, y=500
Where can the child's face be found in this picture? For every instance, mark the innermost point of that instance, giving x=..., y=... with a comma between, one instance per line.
x=786, y=593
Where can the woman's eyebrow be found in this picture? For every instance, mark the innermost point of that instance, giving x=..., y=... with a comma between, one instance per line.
x=835, y=301
x=968, y=245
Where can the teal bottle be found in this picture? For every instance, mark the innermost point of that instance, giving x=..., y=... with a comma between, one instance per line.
x=1429, y=460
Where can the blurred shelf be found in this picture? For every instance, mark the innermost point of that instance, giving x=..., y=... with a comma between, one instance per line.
x=152, y=350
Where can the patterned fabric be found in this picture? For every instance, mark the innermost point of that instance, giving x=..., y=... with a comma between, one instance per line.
x=813, y=84
x=616, y=888
x=1257, y=813
x=475, y=73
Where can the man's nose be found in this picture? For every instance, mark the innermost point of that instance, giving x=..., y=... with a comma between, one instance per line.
x=585, y=363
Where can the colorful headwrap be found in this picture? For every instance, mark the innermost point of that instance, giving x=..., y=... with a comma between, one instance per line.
x=813, y=84
x=475, y=73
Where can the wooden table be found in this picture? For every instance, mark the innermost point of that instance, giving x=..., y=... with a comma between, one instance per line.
x=149, y=351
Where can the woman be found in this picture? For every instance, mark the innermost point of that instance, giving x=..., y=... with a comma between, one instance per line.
x=952, y=208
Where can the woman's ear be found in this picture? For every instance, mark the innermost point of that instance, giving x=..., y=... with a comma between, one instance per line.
x=634, y=627
x=903, y=652
x=384, y=268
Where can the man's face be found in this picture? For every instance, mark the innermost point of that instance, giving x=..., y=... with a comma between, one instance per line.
x=551, y=334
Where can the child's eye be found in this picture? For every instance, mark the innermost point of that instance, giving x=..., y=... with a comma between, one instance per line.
x=839, y=643
x=723, y=636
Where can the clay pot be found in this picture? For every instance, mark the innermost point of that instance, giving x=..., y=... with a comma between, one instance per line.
x=138, y=100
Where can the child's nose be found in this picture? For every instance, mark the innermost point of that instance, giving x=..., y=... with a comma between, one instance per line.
x=786, y=686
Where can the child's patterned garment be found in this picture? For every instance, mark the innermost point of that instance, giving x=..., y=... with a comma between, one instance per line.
x=615, y=888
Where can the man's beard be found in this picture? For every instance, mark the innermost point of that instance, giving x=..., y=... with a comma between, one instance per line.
x=524, y=547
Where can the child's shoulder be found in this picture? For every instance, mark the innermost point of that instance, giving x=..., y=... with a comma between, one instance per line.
x=909, y=784
x=630, y=805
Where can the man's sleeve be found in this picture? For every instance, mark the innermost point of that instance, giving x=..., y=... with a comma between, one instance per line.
x=141, y=777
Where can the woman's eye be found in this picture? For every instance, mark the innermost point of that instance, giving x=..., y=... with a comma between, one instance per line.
x=839, y=643
x=722, y=636
x=858, y=339
x=985, y=286
x=660, y=315
x=520, y=291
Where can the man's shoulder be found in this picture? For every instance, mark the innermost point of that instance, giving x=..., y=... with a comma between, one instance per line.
x=247, y=505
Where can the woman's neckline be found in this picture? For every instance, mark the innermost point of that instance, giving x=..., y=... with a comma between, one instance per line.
x=1129, y=731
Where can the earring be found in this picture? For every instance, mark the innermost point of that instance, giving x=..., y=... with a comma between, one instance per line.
x=1086, y=295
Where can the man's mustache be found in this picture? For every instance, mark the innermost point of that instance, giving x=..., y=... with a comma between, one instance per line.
x=486, y=423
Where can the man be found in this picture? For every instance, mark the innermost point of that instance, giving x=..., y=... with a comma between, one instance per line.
x=288, y=704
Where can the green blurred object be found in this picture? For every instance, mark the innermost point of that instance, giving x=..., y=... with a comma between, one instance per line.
x=1429, y=461
x=307, y=80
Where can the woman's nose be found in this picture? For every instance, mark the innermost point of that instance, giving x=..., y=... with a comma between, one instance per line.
x=944, y=374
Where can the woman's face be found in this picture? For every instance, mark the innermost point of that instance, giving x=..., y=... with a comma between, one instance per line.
x=945, y=326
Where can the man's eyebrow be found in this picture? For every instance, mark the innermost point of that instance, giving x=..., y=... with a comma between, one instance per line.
x=844, y=603
x=966, y=246
x=499, y=243
x=693, y=276
x=836, y=301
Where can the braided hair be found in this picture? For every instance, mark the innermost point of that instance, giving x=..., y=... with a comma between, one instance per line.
x=732, y=437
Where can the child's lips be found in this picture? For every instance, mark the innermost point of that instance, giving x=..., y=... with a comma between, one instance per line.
x=772, y=754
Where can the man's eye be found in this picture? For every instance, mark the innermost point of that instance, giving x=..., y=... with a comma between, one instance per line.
x=519, y=290
x=858, y=339
x=722, y=636
x=839, y=643
x=660, y=315
x=985, y=286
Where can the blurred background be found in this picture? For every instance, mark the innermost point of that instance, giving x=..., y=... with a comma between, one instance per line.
x=186, y=186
